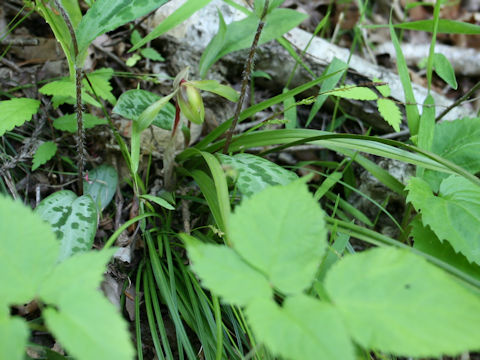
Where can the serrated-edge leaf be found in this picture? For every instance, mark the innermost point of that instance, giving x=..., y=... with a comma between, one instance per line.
x=43, y=153
x=390, y=112
x=68, y=122
x=16, y=112
x=224, y=272
x=353, y=92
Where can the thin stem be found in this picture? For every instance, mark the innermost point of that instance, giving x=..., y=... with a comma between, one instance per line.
x=246, y=75
x=459, y=101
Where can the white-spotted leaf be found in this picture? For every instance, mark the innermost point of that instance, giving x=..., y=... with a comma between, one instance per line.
x=396, y=302
x=101, y=185
x=265, y=231
x=253, y=173
x=72, y=218
x=43, y=153
x=453, y=214
x=15, y=112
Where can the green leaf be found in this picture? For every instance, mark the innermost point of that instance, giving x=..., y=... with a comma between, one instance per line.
x=239, y=34
x=15, y=112
x=158, y=200
x=63, y=92
x=224, y=272
x=444, y=69
x=135, y=37
x=107, y=15
x=69, y=122
x=100, y=80
x=73, y=9
x=176, y=18
x=73, y=219
x=28, y=250
x=427, y=124
x=90, y=328
x=390, y=112
x=14, y=334
x=281, y=231
x=353, y=92
x=152, y=54
x=132, y=103
x=253, y=173
x=132, y=60
x=394, y=301
x=215, y=87
x=453, y=215
x=383, y=89
x=101, y=185
x=458, y=142
x=44, y=153
x=214, y=47
x=302, y=329
x=445, y=26
x=290, y=111
x=426, y=241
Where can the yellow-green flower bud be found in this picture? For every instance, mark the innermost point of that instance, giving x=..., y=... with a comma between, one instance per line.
x=191, y=103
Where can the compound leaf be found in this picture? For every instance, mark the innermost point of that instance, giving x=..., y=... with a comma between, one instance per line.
x=253, y=173
x=15, y=112
x=394, y=301
x=281, y=231
x=28, y=250
x=224, y=272
x=73, y=219
x=44, y=153
x=453, y=214
x=302, y=329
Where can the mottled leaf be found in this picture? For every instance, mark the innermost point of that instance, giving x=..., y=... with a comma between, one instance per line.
x=15, y=112
x=69, y=122
x=101, y=185
x=43, y=153
x=224, y=272
x=394, y=301
x=73, y=219
x=253, y=173
x=107, y=15
x=132, y=103
x=302, y=329
x=453, y=214
x=281, y=231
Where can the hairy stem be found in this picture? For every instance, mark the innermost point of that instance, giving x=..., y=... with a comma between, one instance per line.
x=246, y=75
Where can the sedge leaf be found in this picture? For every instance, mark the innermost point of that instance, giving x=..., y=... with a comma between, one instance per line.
x=453, y=214
x=281, y=231
x=15, y=112
x=44, y=153
x=394, y=301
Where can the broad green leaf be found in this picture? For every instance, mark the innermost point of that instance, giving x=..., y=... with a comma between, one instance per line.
x=394, y=301
x=224, y=272
x=69, y=122
x=100, y=80
x=453, y=214
x=239, y=34
x=337, y=68
x=158, y=200
x=383, y=89
x=132, y=103
x=152, y=54
x=101, y=185
x=43, y=153
x=176, y=18
x=73, y=9
x=28, y=250
x=444, y=69
x=215, y=87
x=281, y=231
x=73, y=219
x=259, y=5
x=457, y=141
x=445, y=26
x=63, y=92
x=90, y=328
x=14, y=334
x=253, y=173
x=302, y=329
x=107, y=15
x=390, y=112
x=15, y=112
x=353, y=92
x=426, y=241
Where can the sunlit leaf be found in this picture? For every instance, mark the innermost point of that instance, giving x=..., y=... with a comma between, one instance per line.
x=15, y=112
